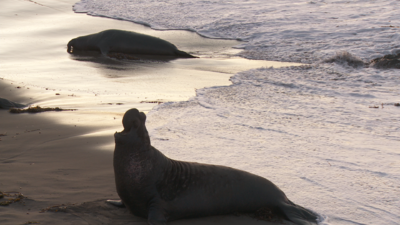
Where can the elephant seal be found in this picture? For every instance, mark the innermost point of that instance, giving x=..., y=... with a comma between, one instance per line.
x=127, y=42
x=161, y=189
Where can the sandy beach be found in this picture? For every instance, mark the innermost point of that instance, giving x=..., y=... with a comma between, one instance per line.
x=47, y=161
x=57, y=165
x=65, y=158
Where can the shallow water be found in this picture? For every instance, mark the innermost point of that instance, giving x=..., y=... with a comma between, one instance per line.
x=281, y=30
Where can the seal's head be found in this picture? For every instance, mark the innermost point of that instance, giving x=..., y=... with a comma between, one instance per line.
x=80, y=44
x=134, y=129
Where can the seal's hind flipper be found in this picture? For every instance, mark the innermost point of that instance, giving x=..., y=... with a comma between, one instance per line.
x=117, y=203
x=298, y=214
x=184, y=54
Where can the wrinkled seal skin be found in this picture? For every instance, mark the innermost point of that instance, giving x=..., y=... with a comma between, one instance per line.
x=153, y=186
x=119, y=41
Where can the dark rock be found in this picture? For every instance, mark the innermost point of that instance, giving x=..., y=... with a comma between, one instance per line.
x=386, y=62
x=345, y=58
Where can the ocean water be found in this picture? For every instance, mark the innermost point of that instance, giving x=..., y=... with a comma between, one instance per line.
x=295, y=31
x=328, y=134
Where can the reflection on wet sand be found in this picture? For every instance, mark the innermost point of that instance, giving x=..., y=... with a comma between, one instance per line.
x=33, y=54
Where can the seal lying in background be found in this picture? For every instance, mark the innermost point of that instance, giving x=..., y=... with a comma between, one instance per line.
x=153, y=186
x=127, y=42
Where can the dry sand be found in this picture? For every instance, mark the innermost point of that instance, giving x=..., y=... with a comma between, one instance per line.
x=62, y=158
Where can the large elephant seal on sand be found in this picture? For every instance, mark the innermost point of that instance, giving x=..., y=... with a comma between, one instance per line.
x=153, y=186
x=127, y=42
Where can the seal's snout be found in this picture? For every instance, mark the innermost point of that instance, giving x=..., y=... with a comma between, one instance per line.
x=133, y=119
x=134, y=127
x=71, y=45
x=70, y=48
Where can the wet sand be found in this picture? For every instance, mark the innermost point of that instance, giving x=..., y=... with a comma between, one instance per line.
x=57, y=158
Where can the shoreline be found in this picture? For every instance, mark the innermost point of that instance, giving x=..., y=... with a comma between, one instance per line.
x=40, y=34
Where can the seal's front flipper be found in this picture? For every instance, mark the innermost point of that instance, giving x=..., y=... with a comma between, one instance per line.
x=103, y=49
x=117, y=203
x=156, y=217
x=299, y=215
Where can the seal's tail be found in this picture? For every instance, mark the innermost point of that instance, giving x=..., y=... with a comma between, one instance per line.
x=184, y=54
x=298, y=214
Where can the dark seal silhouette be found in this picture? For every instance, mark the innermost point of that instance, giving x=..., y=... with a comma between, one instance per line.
x=161, y=189
x=111, y=42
